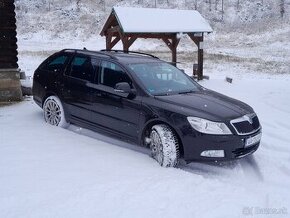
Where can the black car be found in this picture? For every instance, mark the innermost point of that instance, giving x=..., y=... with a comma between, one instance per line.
x=140, y=98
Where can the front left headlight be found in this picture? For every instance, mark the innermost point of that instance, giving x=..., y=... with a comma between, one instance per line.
x=208, y=127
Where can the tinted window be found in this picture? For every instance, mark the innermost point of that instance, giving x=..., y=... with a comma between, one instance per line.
x=111, y=74
x=56, y=63
x=163, y=78
x=84, y=68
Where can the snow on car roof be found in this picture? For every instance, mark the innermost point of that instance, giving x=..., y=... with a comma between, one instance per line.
x=154, y=20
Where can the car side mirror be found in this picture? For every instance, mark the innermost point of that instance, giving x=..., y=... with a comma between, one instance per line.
x=124, y=89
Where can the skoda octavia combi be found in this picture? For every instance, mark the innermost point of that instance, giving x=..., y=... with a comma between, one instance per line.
x=140, y=98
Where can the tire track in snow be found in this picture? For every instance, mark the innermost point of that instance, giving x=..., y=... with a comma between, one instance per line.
x=251, y=168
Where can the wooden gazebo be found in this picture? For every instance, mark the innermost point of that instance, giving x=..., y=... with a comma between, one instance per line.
x=127, y=24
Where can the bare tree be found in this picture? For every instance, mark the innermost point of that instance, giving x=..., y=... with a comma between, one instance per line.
x=78, y=5
x=195, y=5
x=49, y=3
x=282, y=8
x=222, y=10
x=209, y=2
x=238, y=5
x=216, y=4
x=103, y=2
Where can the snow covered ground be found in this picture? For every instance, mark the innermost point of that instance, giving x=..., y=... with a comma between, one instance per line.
x=47, y=171
x=52, y=172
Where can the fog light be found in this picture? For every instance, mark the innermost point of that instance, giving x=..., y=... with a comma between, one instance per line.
x=213, y=153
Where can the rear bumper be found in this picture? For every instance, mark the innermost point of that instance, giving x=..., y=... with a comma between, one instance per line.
x=233, y=146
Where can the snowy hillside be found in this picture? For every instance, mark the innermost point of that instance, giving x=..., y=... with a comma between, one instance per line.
x=84, y=18
x=252, y=37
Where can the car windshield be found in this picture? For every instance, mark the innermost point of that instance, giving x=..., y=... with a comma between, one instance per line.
x=163, y=78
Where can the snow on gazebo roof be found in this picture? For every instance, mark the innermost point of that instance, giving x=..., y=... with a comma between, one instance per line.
x=153, y=20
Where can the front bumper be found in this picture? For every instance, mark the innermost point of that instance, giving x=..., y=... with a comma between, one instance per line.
x=234, y=146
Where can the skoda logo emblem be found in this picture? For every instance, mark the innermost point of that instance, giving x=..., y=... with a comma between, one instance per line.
x=249, y=119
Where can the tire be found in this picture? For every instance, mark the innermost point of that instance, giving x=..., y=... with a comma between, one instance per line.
x=53, y=112
x=164, y=145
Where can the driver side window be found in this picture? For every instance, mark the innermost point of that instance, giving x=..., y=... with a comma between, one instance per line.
x=111, y=74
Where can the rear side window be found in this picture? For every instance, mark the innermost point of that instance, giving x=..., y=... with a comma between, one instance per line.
x=111, y=74
x=57, y=63
x=84, y=68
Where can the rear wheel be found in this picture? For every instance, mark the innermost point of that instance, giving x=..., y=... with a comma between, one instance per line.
x=53, y=112
x=164, y=145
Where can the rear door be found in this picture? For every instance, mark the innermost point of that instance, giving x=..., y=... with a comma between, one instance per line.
x=78, y=95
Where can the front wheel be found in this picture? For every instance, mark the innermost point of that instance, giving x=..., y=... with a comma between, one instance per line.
x=164, y=145
x=53, y=112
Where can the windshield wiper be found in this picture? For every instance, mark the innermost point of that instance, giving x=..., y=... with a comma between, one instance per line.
x=186, y=92
x=162, y=94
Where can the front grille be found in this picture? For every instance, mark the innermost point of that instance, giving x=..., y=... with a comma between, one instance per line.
x=246, y=124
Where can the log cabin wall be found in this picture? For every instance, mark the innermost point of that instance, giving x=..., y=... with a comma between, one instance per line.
x=10, y=88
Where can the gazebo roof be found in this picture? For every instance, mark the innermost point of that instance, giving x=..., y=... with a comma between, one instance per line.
x=126, y=24
x=152, y=20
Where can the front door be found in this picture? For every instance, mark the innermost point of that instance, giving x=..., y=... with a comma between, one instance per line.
x=111, y=111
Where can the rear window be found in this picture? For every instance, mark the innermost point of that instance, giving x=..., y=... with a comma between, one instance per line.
x=84, y=68
x=57, y=63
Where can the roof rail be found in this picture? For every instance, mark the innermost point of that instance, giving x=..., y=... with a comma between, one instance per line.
x=132, y=52
x=86, y=50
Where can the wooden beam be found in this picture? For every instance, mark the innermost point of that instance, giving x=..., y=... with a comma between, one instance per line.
x=198, y=40
x=168, y=43
x=175, y=42
x=132, y=40
x=151, y=35
x=108, y=23
x=113, y=29
x=115, y=41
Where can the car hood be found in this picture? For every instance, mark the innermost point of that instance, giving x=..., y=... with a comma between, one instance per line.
x=208, y=103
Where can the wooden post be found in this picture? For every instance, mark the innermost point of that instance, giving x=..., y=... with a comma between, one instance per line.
x=175, y=42
x=125, y=43
x=172, y=45
x=10, y=88
x=108, y=41
x=200, y=59
x=198, y=40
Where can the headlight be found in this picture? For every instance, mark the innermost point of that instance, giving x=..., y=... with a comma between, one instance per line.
x=209, y=127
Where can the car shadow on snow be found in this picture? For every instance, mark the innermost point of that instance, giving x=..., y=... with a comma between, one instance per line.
x=108, y=139
x=246, y=166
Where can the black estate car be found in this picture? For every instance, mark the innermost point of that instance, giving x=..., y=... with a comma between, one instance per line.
x=140, y=98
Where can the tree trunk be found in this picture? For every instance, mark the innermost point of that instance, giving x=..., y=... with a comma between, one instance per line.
x=222, y=10
x=282, y=8
x=216, y=4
